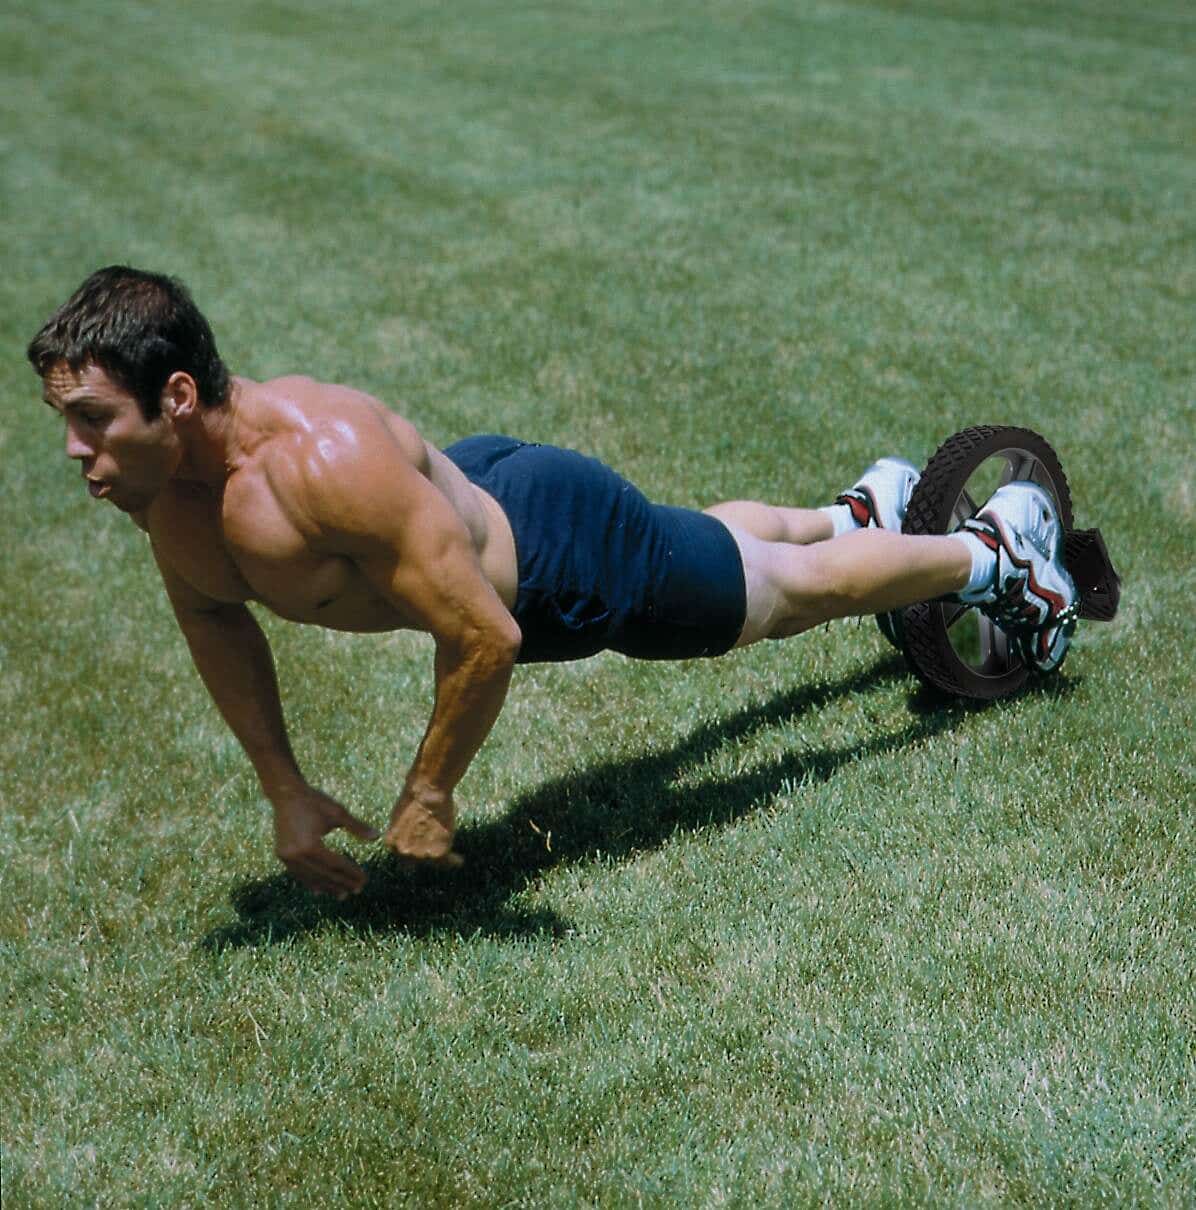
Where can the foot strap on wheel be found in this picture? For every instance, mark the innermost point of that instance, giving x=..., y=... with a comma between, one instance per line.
x=1095, y=577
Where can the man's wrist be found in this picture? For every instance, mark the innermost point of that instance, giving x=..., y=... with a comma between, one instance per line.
x=426, y=793
x=280, y=783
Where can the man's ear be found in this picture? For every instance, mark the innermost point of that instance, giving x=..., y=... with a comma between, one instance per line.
x=180, y=397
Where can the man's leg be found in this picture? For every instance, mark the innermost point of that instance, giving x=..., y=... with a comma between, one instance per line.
x=1008, y=560
x=877, y=499
x=792, y=587
x=772, y=523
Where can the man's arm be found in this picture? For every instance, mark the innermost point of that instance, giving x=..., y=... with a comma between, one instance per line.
x=372, y=504
x=233, y=659
x=472, y=676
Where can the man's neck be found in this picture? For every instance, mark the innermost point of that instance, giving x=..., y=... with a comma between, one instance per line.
x=210, y=448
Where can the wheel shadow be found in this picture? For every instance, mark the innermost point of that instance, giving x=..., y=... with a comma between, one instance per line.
x=610, y=811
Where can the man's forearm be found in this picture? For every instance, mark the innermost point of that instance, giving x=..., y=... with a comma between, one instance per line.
x=233, y=659
x=471, y=687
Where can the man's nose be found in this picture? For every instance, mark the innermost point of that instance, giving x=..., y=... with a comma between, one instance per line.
x=76, y=447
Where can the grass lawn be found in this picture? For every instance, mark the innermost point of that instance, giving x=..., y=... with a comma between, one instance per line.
x=775, y=930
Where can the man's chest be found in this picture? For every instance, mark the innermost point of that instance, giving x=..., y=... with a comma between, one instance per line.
x=248, y=550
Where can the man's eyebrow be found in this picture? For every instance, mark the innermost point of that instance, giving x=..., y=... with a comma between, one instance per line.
x=81, y=401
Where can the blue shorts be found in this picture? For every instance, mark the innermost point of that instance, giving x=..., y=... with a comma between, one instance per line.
x=600, y=566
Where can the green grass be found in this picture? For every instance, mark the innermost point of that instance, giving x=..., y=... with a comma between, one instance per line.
x=773, y=930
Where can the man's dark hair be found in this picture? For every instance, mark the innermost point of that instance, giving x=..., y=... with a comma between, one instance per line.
x=139, y=328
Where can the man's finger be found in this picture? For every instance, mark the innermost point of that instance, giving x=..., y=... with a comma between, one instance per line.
x=311, y=881
x=328, y=872
x=343, y=872
x=357, y=827
x=312, y=876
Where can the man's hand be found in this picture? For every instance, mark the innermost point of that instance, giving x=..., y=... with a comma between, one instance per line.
x=421, y=829
x=302, y=818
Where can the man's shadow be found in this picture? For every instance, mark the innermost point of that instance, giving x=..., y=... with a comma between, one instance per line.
x=611, y=810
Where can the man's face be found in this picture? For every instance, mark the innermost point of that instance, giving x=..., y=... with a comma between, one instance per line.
x=125, y=458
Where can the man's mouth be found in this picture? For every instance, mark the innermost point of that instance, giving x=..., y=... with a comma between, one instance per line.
x=98, y=489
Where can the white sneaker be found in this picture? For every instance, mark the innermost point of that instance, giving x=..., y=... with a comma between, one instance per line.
x=1032, y=596
x=881, y=494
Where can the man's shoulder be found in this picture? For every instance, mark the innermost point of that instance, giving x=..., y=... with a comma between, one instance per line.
x=322, y=452
x=301, y=417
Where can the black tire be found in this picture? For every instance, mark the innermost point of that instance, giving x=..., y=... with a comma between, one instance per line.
x=954, y=648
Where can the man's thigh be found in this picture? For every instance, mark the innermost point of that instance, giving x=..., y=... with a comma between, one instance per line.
x=777, y=577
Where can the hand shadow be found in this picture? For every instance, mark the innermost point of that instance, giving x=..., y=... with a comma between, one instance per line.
x=613, y=809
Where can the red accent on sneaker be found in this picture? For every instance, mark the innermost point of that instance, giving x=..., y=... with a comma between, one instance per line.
x=861, y=513
x=1055, y=602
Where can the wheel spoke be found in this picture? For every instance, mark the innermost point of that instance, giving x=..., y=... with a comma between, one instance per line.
x=1019, y=465
x=965, y=507
x=994, y=647
x=952, y=612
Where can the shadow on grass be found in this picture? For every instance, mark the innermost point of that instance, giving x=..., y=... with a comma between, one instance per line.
x=610, y=811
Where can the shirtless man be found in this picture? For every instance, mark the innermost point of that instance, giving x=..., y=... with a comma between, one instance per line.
x=324, y=506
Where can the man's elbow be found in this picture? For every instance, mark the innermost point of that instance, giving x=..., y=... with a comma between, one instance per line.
x=494, y=648
x=507, y=640
x=219, y=614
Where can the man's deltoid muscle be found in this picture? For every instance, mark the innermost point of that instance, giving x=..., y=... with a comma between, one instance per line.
x=321, y=504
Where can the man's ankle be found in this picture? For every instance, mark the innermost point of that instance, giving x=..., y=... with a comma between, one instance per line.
x=841, y=517
x=984, y=568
